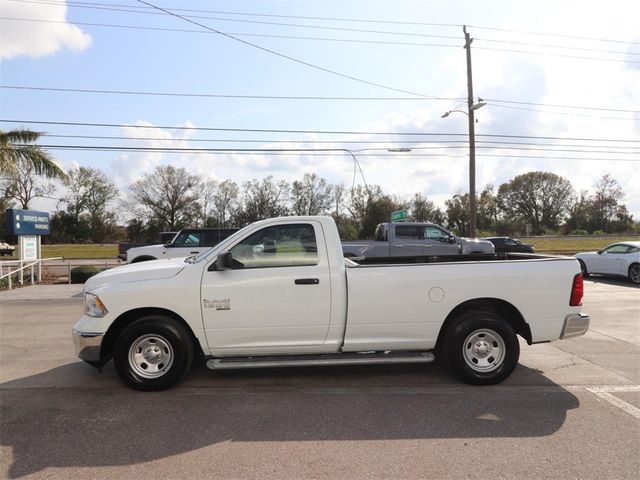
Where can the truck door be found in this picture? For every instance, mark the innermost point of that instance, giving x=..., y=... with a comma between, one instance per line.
x=437, y=242
x=277, y=296
x=186, y=243
x=407, y=241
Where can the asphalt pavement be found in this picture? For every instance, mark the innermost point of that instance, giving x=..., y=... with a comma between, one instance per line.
x=570, y=410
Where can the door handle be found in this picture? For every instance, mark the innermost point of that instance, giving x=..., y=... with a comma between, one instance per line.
x=307, y=281
x=194, y=253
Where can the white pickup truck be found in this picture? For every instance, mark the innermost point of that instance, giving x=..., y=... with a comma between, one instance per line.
x=279, y=293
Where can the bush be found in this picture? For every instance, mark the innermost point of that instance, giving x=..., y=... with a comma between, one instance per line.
x=82, y=274
x=578, y=232
x=598, y=232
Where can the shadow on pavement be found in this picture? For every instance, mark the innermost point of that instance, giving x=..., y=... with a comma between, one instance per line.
x=87, y=425
x=615, y=281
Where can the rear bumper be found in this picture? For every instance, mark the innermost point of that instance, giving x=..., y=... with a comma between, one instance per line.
x=575, y=324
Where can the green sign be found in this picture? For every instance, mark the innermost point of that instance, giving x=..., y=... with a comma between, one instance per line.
x=399, y=216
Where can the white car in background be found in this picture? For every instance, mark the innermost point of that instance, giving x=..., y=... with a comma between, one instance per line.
x=620, y=259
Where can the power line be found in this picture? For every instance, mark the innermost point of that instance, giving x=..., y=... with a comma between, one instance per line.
x=548, y=45
x=572, y=114
x=549, y=54
x=342, y=19
x=308, y=97
x=216, y=95
x=342, y=40
x=238, y=34
x=282, y=55
x=338, y=132
x=312, y=152
x=438, y=144
x=558, y=35
x=261, y=22
x=555, y=105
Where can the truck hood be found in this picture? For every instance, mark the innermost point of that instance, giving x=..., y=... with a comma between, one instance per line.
x=151, y=270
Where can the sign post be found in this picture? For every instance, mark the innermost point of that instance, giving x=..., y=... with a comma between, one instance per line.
x=29, y=226
x=399, y=216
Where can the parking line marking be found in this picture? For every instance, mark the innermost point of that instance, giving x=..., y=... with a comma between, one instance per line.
x=606, y=394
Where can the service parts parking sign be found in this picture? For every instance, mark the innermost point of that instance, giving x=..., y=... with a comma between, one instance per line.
x=27, y=222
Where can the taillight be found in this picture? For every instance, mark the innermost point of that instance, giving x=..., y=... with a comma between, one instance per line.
x=577, y=291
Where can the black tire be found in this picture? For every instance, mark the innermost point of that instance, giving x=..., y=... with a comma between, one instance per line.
x=487, y=338
x=583, y=269
x=153, y=353
x=634, y=273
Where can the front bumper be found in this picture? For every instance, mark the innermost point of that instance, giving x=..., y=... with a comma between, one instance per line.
x=575, y=324
x=88, y=346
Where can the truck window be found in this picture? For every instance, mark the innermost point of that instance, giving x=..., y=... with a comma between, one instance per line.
x=408, y=232
x=435, y=233
x=187, y=239
x=381, y=233
x=277, y=246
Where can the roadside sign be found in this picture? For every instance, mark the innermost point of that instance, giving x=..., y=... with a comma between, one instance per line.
x=28, y=247
x=27, y=222
x=399, y=216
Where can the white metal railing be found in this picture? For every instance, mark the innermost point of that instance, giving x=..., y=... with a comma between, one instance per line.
x=21, y=266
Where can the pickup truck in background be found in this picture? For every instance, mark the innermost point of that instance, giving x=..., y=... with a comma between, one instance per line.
x=165, y=237
x=280, y=293
x=191, y=241
x=6, y=249
x=414, y=239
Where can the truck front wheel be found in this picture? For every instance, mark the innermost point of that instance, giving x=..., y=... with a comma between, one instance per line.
x=482, y=348
x=153, y=353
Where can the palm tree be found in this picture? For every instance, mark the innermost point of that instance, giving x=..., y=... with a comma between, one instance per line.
x=15, y=148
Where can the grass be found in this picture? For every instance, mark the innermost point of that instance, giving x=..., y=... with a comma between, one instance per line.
x=571, y=245
x=561, y=245
x=74, y=252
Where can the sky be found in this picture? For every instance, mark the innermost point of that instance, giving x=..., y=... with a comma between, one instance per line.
x=559, y=78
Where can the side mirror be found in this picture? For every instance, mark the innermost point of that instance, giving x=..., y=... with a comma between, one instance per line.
x=600, y=252
x=451, y=239
x=168, y=245
x=224, y=261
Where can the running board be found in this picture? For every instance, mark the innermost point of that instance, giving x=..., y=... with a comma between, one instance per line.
x=364, y=358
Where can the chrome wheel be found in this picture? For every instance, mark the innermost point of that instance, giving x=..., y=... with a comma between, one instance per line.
x=150, y=356
x=634, y=273
x=484, y=350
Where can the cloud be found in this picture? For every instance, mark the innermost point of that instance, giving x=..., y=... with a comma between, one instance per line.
x=18, y=38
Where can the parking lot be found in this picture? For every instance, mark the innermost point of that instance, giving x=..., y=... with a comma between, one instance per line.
x=570, y=410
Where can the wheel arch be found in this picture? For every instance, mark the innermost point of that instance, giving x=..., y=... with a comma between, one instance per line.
x=494, y=305
x=143, y=258
x=125, y=319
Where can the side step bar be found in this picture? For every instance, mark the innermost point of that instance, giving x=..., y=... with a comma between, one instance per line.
x=364, y=358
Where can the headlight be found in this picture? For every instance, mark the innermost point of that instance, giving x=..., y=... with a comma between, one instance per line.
x=93, y=306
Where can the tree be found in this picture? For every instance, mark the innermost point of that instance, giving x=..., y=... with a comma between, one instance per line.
x=457, y=208
x=539, y=198
x=311, y=196
x=423, y=210
x=487, y=215
x=378, y=211
x=21, y=184
x=168, y=197
x=359, y=198
x=604, y=204
x=225, y=203
x=263, y=199
x=16, y=152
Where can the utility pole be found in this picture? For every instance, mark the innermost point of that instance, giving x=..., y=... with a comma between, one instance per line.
x=473, y=208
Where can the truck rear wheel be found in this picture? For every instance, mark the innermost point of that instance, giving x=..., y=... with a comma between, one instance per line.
x=482, y=348
x=153, y=353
